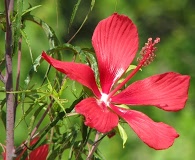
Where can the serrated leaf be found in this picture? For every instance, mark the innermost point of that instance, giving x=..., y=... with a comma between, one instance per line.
x=92, y=62
x=53, y=40
x=74, y=13
x=122, y=134
x=65, y=46
x=24, y=35
x=32, y=70
x=85, y=19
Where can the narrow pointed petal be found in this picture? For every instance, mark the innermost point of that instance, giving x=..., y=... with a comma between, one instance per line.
x=156, y=135
x=168, y=91
x=78, y=72
x=115, y=41
x=97, y=115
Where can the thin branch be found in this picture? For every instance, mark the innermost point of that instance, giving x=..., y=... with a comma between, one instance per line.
x=18, y=72
x=33, y=133
x=42, y=118
x=94, y=146
x=9, y=83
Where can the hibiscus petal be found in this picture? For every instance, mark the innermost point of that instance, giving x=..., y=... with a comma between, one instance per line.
x=78, y=72
x=97, y=115
x=39, y=153
x=115, y=41
x=155, y=135
x=168, y=91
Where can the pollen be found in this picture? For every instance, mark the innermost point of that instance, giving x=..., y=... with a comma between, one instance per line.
x=148, y=52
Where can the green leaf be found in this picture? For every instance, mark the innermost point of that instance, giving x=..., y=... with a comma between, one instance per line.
x=3, y=21
x=90, y=59
x=86, y=17
x=32, y=70
x=98, y=155
x=55, y=96
x=30, y=9
x=122, y=134
x=3, y=114
x=17, y=24
x=53, y=40
x=24, y=35
x=131, y=67
x=74, y=13
x=123, y=106
x=65, y=46
x=63, y=86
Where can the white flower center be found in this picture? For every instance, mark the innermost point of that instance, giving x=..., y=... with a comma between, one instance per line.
x=104, y=98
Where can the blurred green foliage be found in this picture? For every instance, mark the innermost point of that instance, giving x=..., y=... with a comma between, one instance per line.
x=173, y=21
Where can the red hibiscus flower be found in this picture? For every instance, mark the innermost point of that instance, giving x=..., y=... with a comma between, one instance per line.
x=115, y=41
x=40, y=153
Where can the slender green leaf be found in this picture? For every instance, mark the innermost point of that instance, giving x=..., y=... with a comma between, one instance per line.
x=17, y=24
x=85, y=19
x=65, y=46
x=74, y=13
x=32, y=70
x=53, y=40
x=122, y=134
x=24, y=35
x=30, y=9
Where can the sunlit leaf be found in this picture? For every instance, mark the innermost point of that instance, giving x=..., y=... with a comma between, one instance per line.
x=123, y=106
x=30, y=9
x=129, y=69
x=122, y=134
x=62, y=87
x=32, y=70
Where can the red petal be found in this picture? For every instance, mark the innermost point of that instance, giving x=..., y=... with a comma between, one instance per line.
x=97, y=115
x=115, y=41
x=168, y=91
x=39, y=153
x=155, y=135
x=78, y=72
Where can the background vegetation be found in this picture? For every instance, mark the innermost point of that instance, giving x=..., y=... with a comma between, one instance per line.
x=173, y=21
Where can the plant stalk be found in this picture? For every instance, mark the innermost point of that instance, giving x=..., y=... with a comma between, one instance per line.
x=10, y=111
x=94, y=146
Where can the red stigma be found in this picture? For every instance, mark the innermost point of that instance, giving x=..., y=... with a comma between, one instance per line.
x=148, y=52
